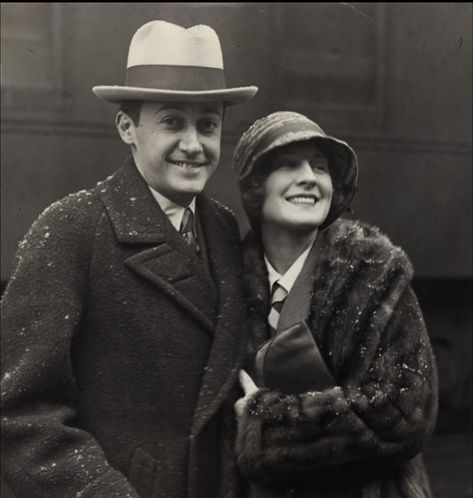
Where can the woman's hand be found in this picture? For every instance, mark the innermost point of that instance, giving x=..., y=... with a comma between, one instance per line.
x=249, y=387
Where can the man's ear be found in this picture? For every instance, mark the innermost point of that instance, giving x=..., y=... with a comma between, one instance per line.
x=125, y=127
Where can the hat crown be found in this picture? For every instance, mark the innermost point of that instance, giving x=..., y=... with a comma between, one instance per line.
x=169, y=63
x=272, y=131
x=164, y=43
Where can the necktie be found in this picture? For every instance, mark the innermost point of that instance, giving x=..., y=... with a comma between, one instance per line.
x=187, y=229
x=278, y=295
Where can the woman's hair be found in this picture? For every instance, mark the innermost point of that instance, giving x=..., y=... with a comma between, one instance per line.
x=252, y=186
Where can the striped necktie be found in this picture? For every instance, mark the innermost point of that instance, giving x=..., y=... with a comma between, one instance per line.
x=278, y=295
x=187, y=229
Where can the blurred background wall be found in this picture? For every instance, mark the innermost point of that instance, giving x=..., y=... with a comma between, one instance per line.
x=392, y=79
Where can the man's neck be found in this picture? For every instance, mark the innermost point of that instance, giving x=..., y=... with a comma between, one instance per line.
x=282, y=247
x=165, y=201
x=182, y=199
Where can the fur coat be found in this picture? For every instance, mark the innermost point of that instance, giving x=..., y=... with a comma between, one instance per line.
x=119, y=348
x=362, y=438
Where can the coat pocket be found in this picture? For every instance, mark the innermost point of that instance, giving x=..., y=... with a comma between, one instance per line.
x=142, y=473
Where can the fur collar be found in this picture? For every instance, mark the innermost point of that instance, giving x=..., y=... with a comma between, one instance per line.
x=358, y=269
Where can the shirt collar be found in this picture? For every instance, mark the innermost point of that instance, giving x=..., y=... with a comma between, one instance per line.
x=288, y=279
x=173, y=211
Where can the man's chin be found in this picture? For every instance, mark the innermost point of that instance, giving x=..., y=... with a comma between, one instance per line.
x=185, y=196
x=192, y=190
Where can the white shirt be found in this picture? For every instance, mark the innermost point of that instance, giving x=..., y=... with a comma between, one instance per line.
x=173, y=211
x=287, y=280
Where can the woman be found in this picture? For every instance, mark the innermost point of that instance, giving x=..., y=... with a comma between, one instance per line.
x=352, y=423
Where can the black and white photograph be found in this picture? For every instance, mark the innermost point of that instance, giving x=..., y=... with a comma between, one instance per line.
x=236, y=250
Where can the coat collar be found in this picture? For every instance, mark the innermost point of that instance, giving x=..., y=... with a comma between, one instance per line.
x=354, y=260
x=161, y=255
x=163, y=258
x=135, y=215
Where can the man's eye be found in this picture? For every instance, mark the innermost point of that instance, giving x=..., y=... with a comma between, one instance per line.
x=208, y=125
x=170, y=121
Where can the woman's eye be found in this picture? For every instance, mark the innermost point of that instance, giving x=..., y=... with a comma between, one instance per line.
x=320, y=166
x=286, y=163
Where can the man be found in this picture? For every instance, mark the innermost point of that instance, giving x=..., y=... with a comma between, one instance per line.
x=123, y=320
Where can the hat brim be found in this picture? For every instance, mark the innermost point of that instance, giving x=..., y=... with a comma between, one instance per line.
x=117, y=94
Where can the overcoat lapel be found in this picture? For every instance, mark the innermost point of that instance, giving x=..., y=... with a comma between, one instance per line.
x=162, y=256
x=230, y=328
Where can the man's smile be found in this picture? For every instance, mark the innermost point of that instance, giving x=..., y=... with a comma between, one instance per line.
x=188, y=164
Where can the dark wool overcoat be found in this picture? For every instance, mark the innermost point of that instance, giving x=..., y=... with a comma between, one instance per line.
x=362, y=438
x=120, y=346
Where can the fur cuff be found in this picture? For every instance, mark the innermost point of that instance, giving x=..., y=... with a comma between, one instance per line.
x=249, y=447
x=272, y=406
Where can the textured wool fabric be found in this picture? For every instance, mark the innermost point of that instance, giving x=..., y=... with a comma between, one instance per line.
x=119, y=349
x=362, y=438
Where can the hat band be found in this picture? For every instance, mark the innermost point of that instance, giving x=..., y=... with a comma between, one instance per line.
x=178, y=78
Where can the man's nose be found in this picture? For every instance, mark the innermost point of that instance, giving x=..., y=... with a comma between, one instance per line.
x=305, y=174
x=190, y=142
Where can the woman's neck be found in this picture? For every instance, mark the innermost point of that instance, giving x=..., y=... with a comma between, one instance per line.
x=282, y=247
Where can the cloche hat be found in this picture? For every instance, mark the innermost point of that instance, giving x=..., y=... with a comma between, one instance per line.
x=282, y=128
x=167, y=62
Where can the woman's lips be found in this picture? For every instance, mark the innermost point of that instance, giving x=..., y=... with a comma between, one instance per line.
x=308, y=199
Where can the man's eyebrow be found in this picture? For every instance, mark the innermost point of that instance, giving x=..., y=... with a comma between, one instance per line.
x=212, y=110
x=167, y=107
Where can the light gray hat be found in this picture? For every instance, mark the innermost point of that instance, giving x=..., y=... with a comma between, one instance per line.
x=169, y=63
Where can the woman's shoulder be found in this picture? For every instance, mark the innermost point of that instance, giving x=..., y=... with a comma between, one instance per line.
x=366, y=243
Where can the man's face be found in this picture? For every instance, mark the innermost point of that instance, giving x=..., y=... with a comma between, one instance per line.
x=298, y=193
x=176, y=146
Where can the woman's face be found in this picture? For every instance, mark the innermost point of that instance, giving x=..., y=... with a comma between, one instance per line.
x=298, y=193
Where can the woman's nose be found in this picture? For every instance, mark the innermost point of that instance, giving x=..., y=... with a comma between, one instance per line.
x=305, y=173
x=190, y=142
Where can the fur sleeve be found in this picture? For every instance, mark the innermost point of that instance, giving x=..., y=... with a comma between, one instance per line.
x=383, y=414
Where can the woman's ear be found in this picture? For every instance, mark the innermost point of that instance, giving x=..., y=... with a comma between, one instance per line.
x=125, y=127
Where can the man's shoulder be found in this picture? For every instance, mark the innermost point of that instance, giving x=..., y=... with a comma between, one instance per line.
x=74, y=204
x=223, y=208
x=228, y=217
x=75, y=213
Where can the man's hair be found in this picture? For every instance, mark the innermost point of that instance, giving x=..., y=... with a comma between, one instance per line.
x=133, y=109
x=252, y=186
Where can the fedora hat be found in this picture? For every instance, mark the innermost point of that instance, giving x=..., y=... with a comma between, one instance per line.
x=167, y=62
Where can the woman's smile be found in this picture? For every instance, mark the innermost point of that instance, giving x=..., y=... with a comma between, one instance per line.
x=303, y=199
